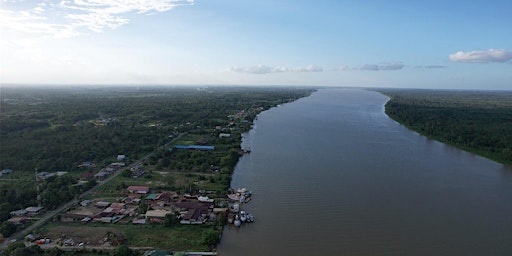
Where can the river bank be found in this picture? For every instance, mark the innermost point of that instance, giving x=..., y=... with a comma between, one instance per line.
x=479, y=122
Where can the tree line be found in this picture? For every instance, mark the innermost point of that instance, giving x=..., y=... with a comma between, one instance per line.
x=476, y=121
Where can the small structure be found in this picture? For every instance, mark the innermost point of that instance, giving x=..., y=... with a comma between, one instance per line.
x=224, y=135
x=120, y=157
x=137, y=171
x=138, y=189
x=34, y=210
x=5, y=172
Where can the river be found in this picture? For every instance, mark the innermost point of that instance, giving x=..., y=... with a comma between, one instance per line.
x=332, y=174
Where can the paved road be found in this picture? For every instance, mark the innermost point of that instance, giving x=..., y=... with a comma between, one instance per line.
x=50, y=214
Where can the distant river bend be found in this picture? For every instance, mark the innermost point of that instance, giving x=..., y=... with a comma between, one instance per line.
x=333, y=175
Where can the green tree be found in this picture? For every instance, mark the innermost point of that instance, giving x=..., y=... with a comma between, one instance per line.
x=170, y=220
x=123, y=250
x=210, y=237
x=8, y=229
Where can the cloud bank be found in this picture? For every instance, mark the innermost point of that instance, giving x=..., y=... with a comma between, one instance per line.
x=491, y=55
x=262, y=69
x=62, y=19
x=375, y=67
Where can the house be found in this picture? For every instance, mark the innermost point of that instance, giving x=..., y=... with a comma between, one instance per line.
x=118, y=205
x=101, y=204
x=120, y=157
x=138, y=189
x=166, y=197
x=17, y=220
x=106, y=219
x=139, y=221
x=224, y=135
x=194, y=212
x=45, y=175
x=116, y=165
x=87, y=164
x=34, y=210
x=132, y=199
x=101, y=175
x=193, y=216
x=150, y=198
x=19, y=213
x=161, y=198
x=156, y=215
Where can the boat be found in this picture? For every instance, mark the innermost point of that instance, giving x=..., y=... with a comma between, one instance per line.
x=237, y=221
x=234, y=197
x=243, y=216
x=250, y=217
x=241, y=194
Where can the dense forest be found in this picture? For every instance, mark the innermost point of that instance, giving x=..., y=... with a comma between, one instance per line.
x=476, y=121
x=56, y=129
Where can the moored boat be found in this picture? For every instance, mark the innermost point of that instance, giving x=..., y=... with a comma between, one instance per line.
x=250, y=217
x=243, y=216
x=237, y=221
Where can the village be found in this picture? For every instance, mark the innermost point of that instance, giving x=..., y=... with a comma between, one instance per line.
x=145, y=203
x=128, y=169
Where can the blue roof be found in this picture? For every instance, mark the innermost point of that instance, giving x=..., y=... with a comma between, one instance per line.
x=194, y=147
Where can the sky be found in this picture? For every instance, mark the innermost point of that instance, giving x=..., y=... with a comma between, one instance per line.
x=364, y=43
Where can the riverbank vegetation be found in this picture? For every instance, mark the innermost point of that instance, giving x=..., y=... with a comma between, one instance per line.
x=479, y=122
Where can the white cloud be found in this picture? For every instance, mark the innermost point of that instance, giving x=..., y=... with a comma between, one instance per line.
x=262, y=69
x=491, y=55
x=374, y=67
x=70, y=18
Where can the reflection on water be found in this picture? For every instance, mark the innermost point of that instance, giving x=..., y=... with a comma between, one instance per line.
x=333, y=175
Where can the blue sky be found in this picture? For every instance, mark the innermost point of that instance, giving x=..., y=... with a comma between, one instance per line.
x=379, y=43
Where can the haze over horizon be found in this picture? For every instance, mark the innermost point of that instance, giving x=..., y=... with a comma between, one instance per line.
x=368, y=43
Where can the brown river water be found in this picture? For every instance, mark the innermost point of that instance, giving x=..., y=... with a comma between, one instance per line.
x=332, y=174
